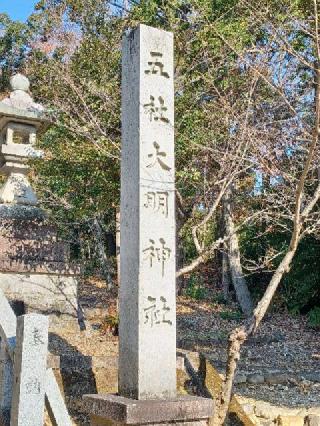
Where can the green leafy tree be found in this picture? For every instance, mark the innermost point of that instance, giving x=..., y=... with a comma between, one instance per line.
x=13, y=48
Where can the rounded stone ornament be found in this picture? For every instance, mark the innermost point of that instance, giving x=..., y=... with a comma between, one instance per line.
x=19, y=82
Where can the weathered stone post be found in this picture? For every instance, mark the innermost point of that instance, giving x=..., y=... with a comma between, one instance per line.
x=147, y=333
x=147, y=291
x=30, y=367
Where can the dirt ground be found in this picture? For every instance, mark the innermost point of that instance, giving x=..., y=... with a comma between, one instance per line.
x=283, y=345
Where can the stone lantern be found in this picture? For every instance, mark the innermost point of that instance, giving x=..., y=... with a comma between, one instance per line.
x=20, y=121
x=35, y=267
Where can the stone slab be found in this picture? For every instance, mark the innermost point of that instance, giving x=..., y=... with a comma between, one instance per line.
x=54, y=402
x=33, y=250
x=99, y=421
x=23, y=227
x=32, y=245
x=20, y=150
x=8, y=341
x=42, y=292
x=129, y=411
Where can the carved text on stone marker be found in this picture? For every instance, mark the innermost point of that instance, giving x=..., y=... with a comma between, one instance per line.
x=156, y=312
x=159, y=254
x=33, y=386
x=156, y=109
x=156, y=158
x=156, y=66
x=157, y=201
x=37, y=337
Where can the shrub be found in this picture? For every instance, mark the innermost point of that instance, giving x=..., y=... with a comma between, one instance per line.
x=195, y=288
x=314, y=317
x=231, y=315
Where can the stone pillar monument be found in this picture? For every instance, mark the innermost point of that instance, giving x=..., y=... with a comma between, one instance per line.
x=35, y=271
x=147, y=331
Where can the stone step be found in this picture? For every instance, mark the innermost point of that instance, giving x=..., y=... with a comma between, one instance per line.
x=266, y=414
x=258, y=374
x=272, y=377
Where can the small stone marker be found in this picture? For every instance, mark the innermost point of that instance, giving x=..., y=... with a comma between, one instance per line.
x=30, y=366
x=147, y=333
x=54, y=401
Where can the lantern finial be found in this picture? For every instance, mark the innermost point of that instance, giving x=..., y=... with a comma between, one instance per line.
x=19, y=82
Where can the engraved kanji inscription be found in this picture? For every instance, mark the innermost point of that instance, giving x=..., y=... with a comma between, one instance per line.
x=157, y=157
x=37, y=337
x=160, y=254
x=150, y=252
x=156, y=109
x=157, y=201
x=156, y=312
x=33, y=386
x=156, y=66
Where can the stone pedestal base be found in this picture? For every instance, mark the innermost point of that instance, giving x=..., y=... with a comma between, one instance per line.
x=36, y=273
x=117, y=410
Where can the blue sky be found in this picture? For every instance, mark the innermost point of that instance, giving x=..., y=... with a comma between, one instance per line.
x=17, y=9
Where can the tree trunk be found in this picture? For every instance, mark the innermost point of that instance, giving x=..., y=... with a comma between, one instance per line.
x=104, y=261
x=239, y=335
x=238, y=280
x=118, y=244
x=225, y=273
